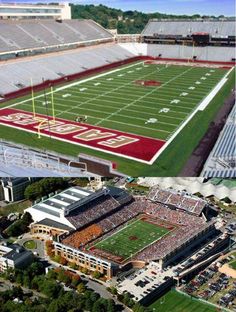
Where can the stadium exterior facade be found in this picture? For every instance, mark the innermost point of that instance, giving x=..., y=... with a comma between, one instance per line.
x=58, y=206
x=72, y=215
x=34, y=11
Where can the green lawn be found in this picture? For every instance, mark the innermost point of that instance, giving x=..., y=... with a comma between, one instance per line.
x=230, y=183
x=15, y=207
x=177, y=302
x=30, y=244
x=116, y=102
x=132, y=238
x=233, y=263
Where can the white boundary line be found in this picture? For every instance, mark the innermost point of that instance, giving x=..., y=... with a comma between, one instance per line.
x=76, y=83
x=168, y=142
x=198, y=108
x=81, y=144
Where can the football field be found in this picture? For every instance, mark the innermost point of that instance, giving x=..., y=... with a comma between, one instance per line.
x=132, y=239
x=130, y=107
x=177, y=302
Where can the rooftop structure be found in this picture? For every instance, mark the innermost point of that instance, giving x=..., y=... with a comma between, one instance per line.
x=14, y=256
x=74, y=207
x=13, y=188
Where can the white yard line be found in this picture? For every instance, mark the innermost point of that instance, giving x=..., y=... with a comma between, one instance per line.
x=144, y=102
x=148, y=93
x=199, y=107
x=123, y=123
x=132, y=110
x=102, y=94
x=74, y=83
x=125, y=116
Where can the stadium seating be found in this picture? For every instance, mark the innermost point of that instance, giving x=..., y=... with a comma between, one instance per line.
x=222, y=160
x=182, y=201
x=92, y=211
x=79, y=238
x=223, y=54
x=17, y=75
x=217, y=29
x=28, y=34
x=189, y=228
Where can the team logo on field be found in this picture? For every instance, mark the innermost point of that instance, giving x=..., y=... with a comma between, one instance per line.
x=111, y=141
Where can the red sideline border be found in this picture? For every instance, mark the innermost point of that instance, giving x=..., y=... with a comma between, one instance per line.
x=62, y=80
x=118, y=143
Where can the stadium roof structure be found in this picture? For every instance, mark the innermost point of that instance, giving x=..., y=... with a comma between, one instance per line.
x=54, y=224
x=61, y=207
x=217, y=29
x=193, y=185
x=222, y=160
x=64, y=202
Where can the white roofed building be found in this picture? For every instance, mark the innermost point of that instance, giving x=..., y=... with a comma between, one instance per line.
x=59, y=207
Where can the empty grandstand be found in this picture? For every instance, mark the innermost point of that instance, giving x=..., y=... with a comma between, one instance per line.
x=18, y=160
x=199, y=32
x=213, y=65
x=16, y=76
x=29, y=37
x=222, y=160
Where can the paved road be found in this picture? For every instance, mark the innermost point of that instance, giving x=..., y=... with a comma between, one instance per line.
x=97, y=287
x=39, y=245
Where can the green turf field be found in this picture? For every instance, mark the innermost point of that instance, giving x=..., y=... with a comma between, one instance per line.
x=115, y=101
x=132, y=238
x=177, y=302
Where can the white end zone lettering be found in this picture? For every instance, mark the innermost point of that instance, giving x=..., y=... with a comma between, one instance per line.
x=118, y=142
x=19, y=118
x=93, y=134
x=60, y=127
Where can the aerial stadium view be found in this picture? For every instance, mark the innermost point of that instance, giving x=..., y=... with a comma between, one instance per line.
x=78, y=93
x=153, y=244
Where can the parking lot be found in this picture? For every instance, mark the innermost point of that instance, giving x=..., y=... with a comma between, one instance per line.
x=214, y=286
x=144, y=281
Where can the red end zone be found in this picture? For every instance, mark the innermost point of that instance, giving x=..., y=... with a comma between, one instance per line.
x=118, y=143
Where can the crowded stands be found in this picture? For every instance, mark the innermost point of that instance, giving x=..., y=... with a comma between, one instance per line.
x=184, y=201
x=92, y=211
x=79, y=238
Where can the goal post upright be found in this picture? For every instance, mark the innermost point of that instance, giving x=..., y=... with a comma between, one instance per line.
x=53, y=106
x=32, y=96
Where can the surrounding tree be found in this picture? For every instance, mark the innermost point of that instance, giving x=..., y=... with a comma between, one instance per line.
x=20, y=226
x=44, y=187
x=126, y=22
